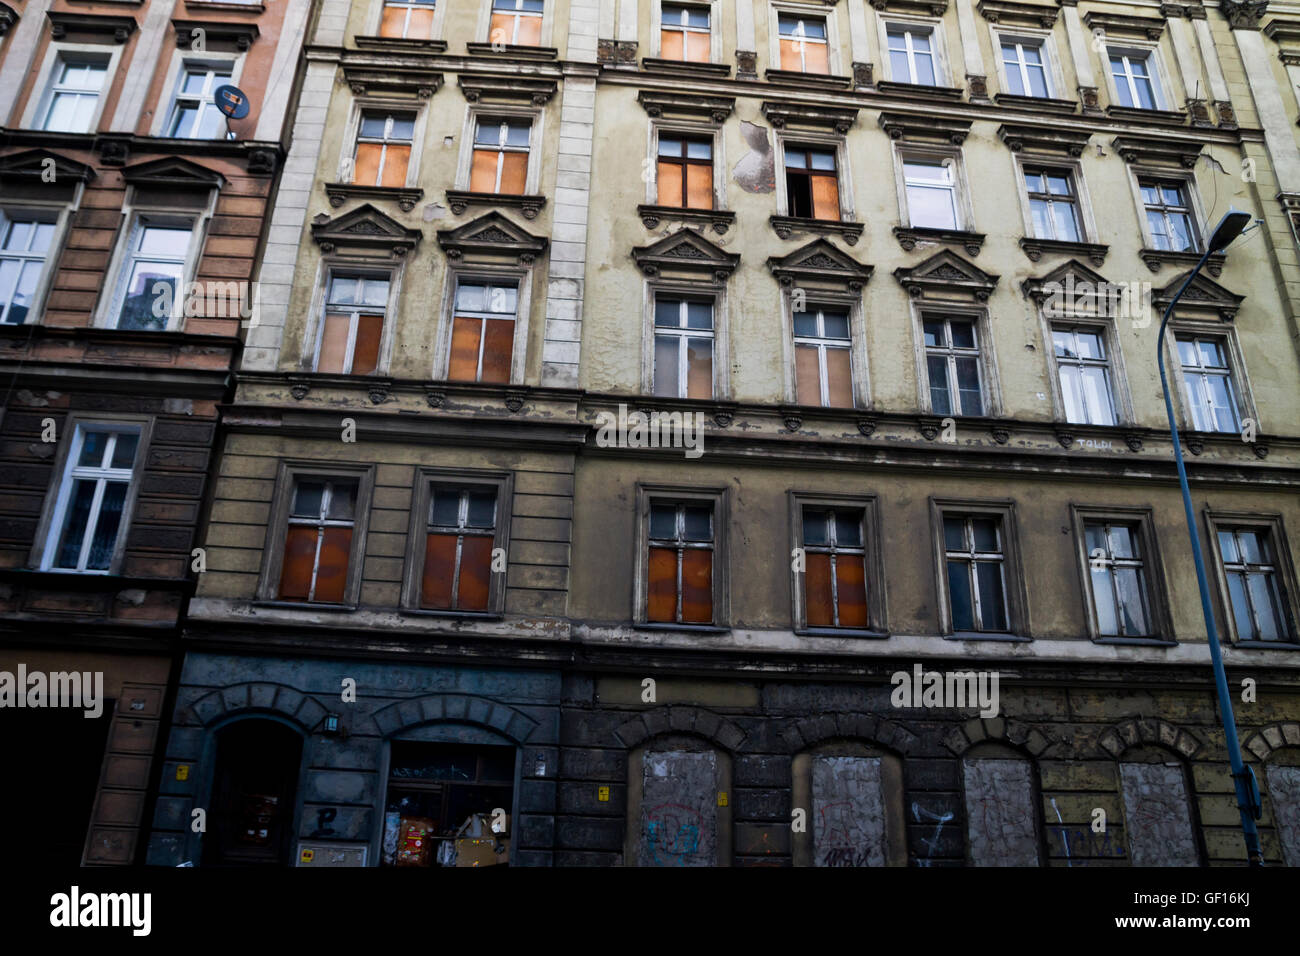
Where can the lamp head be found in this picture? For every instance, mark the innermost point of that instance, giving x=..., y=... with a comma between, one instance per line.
x=1228, y=229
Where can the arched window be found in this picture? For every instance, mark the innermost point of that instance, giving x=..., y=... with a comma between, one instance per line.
x=679, y=804
x=853, y=795
x=1001, y=807
x=1158, y=815
x=1283, y=779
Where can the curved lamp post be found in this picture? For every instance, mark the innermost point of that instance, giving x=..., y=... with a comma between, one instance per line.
x=1248, y=802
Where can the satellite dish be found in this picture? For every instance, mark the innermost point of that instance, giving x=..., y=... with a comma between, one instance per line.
x=231, y=101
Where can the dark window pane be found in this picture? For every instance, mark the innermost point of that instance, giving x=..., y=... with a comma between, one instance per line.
x=814, y=528
x=963, y=610
x=699, y=524
x=445, y=508
x=992, y=610
x=307, y=499
x=663, y=521
x=986, y=533
x=848, y=529
x=74, y=527
x=482, y=509
x=954, y=534
x=343, y=501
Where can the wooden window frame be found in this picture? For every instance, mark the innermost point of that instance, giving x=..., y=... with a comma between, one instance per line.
x=36, y=112
x=826, y=12
x=686, y=289
x=369, y=103
x=435, y=27
x=1104, y=332
x=950, y=353
x=1072, y=200
x=711, y=7
x=1141, y=520
x=686, y=130
x=136, y=219
x=804, y=41
x=684, y=160
x=481, y=275
x=990, y=384
x=1013, y=575
x=56, y=215
x=1271, y=526
x=717, y=499
x=873, y=556
x=355, y=311
x=819, y=142
x=473, y=114
x=517, y=13
x=681, y=333
x=384, y=141
x=502, y=485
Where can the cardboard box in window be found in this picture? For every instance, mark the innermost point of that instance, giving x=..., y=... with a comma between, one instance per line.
x=477, y=845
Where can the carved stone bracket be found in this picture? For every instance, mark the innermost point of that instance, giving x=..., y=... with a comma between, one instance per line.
x=793, y=418
x=1001, y=434
x=1134, y=441
x=1065, y=437
x=866, y=426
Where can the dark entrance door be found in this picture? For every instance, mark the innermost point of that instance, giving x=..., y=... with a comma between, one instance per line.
x=250, y=821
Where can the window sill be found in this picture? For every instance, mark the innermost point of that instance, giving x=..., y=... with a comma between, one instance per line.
x=918, y=91
x=459, y=200
x=509, y=51
x=1267, y=645
x=1155, y=258
x=405, y=197
x=787, y=226
x=703, y=71
x=823, y=81
x=454, y=615
x=400, y=44
x=1162, y=117
x=685, y=628
x=987, y=636
x=1038, y=104
x=225, y=5
x=1136, y=641
x=909, y=236
x=305, y=606
x=1035, y=249
x=719, y=219
x=842, y=632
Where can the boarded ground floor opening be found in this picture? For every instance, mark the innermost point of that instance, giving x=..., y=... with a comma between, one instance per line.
x=253, y=794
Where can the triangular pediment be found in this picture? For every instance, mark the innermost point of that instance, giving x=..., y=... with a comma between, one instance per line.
x=686, y=250
x=820, y=260
x=1071, y=273
x=945, y=275
x=35, y=164
x=1203, y=294
x=364, y=228
x=492, y=234
x=173, y=172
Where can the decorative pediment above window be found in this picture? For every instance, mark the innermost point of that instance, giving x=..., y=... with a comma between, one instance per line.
x=8, y=17
x=392, y=79
x=1122, y=24
x=492, y=235
x=364, y=231
x=1286, y=33
x=215, y=35
x=1073, y=287
x=1141, y=149
x=783, y=114
x=910, y=128
x=173, y=173
x=713, y=109
x=946, y=275
x=685, y=251
x=40, y=165
x=935, y=8
x=1021, y=14
x=64, y=25
x=1204, y=294
x=819, y=261
x=509, y=88
x=1044, y=139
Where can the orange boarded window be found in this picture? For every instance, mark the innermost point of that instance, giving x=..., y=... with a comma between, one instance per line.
x=680, y=564
x=318, y=541
x=483, y=332
x=353, y=325
x=500, y=160
x=685, y=172
x=811, y=183
x=411, y=19
x=458, y=549
x=683, y=342
x=383, y=148
x=823, y=369
x=835, y=592
x=516, y=22
x=684, y=33
x=803, y=44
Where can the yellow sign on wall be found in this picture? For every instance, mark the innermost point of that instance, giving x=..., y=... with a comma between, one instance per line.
x=602, y=794
x=182, y=771
x=722, y=798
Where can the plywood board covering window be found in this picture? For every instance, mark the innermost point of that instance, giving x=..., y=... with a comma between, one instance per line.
x=383, y=148
x=483, y=332
x=318, y=543
x=458, y=548
x=516, y=22
x=803, y=43
x=353, y=326
x=835, y=568
x=685, y=173
x=500, y=160
x=680, y=587
x=684, y=33
x=412, y=19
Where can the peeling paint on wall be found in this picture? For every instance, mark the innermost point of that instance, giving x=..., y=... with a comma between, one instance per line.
x=849, y=812
x=1000, y=812
x=756, y=171
x=679, y=822
x=1157, y=816
x=1284, y=788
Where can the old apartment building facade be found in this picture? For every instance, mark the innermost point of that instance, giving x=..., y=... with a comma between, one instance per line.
x=120, y=196
x=903, y=264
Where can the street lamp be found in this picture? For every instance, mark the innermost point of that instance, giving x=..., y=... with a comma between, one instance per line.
x=1228, y=229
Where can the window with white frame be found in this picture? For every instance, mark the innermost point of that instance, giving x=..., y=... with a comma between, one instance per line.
x=685, y=33
x=803, y=43
x=151, y=283
x=1250, y=567
x=92, y=498
x=1083, y=370
x=822, y=357
x=1053, y=203
x=931, y=189
x=975, y=559
x=407, y=19
x=194, y=112
x=24, y=250
x=383, y=151
x=1118, y=579
x=353, y=325
x=911, y=54
x=1134, y=74
x=1212, y=396
x=952, y=363
x=483, y=331
x=683, y=347
x=1024, y=62
x=516, y=22
x=500, y=159
x=73, y=97
x=1168, y=209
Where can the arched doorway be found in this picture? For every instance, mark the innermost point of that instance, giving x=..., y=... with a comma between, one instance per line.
x=250, y=817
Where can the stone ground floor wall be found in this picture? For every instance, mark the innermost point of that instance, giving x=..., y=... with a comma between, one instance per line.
x=1125, y=768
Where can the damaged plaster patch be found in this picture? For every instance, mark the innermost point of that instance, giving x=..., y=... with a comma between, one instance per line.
x=41, y=449
x=434, y=211
x=178, y=406
x=132, y=596
x=756, y=171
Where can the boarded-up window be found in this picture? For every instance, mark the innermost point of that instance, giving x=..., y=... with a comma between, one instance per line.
x=679, y=822
x=1157, y=815
x=849, y=812
x=680, y=565
x=1001, y=826
x=318, y=541
x=483, y=332
x=1284, y=789
x=412, y=19
x=685, y=172
x=500, y=160
x=823, y=367
x=803, y=43
x=835, y=592
x=516, y=22
x=811, y=183
x=353, y=325
x=684, y=33
x=383, y=148
x=458, y=549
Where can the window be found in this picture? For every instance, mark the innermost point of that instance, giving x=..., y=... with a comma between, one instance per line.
x=483, y=332
x=812, y=188
x=803, y=43
x=1207, y=382
x=1117, y=579
x=973, y=550
x=1169, y=215
x=74, y=94
x=952, y=362
x=24, y=244
x=1025, y=65
x=383, y=148
x=1053, y=203
x=152, y=278
x=1001, y=822
x=1083, y=369
x=1251, y=570
x=458, y=548
x=411, y=19
x=931, y=187
x=1132, y=73
x=835, y=592
x=500, y=161
x=680, y=586
x=683, y=357
x=92, y=498
x=354, y=325
x=911, y=56
x=195, y=114
x=1158, y=816
x=684, y=34
x=822, y=360
x=318, y=543
x=516, y=22
x=685, y=173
